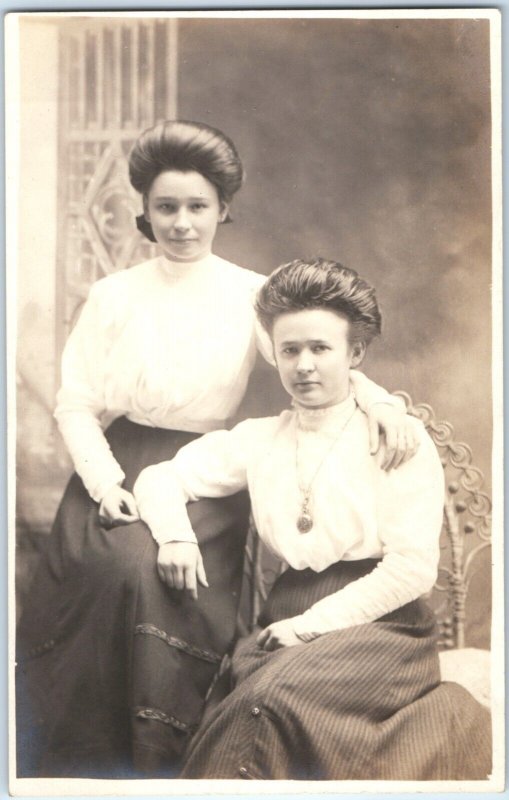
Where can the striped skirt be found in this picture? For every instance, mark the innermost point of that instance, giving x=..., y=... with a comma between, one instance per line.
x=362, y=703
x=113, y=667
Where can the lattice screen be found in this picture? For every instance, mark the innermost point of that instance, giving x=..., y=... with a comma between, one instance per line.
x=118, y=76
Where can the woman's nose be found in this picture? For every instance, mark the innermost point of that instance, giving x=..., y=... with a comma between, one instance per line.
x=305, y=362
x=182, y=221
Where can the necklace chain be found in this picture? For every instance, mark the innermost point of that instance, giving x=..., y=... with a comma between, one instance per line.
x=305, y=520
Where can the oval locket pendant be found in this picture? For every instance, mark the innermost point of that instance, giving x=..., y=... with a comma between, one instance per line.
x=304, y=522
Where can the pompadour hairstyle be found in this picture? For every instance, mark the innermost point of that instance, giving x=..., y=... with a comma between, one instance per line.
x=319, y=283
x=185, y=147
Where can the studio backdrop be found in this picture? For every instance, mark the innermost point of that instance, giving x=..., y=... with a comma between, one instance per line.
x=364, y=140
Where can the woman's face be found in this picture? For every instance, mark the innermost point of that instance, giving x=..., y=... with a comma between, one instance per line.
x=314, y=356
x=184, y=210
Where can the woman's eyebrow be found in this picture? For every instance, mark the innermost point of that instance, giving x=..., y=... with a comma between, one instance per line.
x=178, y=199
x=305, y=341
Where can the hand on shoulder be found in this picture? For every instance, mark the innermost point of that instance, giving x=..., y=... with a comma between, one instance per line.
x=395, y=433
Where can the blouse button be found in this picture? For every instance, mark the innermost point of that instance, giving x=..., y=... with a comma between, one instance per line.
x=243, y=772
x=255, y=711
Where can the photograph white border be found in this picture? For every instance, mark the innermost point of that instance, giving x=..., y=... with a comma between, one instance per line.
x=78, y=787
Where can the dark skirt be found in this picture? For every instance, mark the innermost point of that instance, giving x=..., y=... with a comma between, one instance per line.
x=363, y=703
x=113, y=667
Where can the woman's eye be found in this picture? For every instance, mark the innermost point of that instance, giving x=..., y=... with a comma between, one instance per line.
x=168, y=208
x=290, y=351
x=319, y=348
x=198, y=206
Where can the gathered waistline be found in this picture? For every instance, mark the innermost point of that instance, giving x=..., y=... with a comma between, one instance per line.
x=184, y=425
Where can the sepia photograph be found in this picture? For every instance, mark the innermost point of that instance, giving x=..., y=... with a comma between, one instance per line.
x=254, y=365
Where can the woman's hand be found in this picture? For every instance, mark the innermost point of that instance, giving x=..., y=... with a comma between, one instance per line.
x=180, y=566
x=118, y=507
x=279, y=634
x=401, y=442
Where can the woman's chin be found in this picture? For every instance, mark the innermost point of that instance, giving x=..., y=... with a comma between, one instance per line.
x=186, y=253
x=309, y=402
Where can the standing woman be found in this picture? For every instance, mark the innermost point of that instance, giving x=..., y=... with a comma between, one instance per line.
x=114, y=665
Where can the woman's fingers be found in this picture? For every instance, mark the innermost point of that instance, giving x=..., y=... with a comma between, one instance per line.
x=391, y=440
x=268, y=640
x=124, y=519
x=391, y=454
x=118, y=507
x=128, y=505
x=263, y=637
x=400, y=447
x=127, y=510
x=182, y=566
x=177, y=574
x=400, y=452
x=165, y=575
x=374, y=435
x=412, y=444
x=395, y=450
x=200, y=572
x=190, y=581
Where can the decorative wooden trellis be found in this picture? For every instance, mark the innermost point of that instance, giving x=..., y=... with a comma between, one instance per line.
x=466, y=530
x=118, y=77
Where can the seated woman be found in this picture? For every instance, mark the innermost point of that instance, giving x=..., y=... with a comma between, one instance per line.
x=343, y=680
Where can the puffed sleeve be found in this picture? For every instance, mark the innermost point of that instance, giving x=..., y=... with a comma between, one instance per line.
x=410, y=515
x=215, y=465
x=262, y=338
x=80, y=400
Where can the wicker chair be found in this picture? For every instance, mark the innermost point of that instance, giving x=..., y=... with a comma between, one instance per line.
x=466, y=533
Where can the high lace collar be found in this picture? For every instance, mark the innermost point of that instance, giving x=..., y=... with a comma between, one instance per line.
x=325, y=420
x=174, y=271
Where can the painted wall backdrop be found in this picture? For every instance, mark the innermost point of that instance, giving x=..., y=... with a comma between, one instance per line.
x=365, y=141
x=368, y=143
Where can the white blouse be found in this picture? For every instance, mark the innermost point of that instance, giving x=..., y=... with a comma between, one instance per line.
x=359, y=510
x=169, y=345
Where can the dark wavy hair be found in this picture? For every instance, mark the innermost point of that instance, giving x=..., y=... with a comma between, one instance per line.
x=319, y=283
x=184, y=146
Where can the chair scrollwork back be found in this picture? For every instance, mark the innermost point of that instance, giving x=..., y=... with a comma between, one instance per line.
x=466, y=532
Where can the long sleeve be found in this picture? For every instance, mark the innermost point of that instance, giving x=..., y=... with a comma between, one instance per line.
x=410, y=513
x=213, y=466
x=264, y=342
x=166, y=344
x=367, y=392
x=80, y=401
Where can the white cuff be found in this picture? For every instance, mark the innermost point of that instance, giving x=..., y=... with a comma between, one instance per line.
x=390, y=400
x=97, y=491
x=185, y=537
x=302, y=630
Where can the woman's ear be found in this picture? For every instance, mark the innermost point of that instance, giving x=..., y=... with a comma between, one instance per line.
x=223, y=211
x=357, y=354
